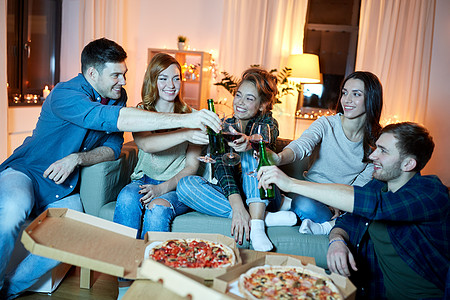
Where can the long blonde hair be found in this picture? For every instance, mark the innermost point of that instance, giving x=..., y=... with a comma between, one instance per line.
x=150, y=94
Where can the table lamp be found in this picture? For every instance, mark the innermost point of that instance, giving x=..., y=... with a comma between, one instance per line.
x=305, y=69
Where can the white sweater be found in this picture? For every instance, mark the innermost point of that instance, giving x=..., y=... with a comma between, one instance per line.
x=338, y=160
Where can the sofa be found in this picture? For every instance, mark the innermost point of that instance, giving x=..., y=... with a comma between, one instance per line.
x=101, y=183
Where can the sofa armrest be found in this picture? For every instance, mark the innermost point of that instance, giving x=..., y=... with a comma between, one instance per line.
x=102, y=182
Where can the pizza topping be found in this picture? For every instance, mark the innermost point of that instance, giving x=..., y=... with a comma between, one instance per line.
x=180, y=253
x=286, y=283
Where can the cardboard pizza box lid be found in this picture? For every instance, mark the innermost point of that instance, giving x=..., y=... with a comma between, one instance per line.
x=185, y=286
x=248, y=255
x=94, y=243
x=222, y=283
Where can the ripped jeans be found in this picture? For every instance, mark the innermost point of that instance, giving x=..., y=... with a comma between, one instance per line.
x=130, y=212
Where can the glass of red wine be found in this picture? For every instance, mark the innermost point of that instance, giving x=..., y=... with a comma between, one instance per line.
x=260, y=132
x=231, y=130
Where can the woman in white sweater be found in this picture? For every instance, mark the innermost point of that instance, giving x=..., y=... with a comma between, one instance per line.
x=339, y=147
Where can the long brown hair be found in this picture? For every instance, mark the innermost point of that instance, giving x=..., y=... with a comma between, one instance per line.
x=150, y=94
x=373, y=101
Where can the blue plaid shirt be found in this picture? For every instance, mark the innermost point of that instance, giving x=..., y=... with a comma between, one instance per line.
x=417, y=218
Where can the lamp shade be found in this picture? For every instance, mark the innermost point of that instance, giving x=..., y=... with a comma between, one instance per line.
x=305, y=67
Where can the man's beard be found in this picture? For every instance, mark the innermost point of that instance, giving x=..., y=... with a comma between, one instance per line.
x=387, y=174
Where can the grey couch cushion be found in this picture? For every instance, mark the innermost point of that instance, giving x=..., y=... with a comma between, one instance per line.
x=202, y=223
x=107, y=211
x=101, y=183
x=289, y=241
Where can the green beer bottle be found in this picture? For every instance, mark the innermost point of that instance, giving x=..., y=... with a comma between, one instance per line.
x=216, y=142
x=264, y=161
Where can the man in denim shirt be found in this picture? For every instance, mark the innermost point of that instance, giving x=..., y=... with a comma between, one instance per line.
x=80, y=124
x=396, y=239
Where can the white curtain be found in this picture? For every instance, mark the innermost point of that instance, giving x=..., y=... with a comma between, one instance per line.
x=260, y=32
x=87, y=20
x=263, y=32
x=395, y=42
x=102, y=18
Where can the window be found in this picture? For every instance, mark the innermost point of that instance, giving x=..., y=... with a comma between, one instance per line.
x=331, y=32
x=33, y=49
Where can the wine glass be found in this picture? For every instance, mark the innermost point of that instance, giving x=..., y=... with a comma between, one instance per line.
x=208, y=158
x=260, y=132
x=231, y=130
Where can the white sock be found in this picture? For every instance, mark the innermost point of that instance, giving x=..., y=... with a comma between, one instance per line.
x=310, y=227
x=122, y=291
x=280, y=218
x=258, y=237
x=286, y=203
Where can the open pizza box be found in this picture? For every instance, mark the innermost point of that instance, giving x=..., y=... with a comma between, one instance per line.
x=100, y=245
x=227, y=283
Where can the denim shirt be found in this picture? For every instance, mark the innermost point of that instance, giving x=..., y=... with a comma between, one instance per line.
x=72, y=120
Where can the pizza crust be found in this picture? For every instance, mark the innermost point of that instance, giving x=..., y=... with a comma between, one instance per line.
x=254, y=290
x=227, y=250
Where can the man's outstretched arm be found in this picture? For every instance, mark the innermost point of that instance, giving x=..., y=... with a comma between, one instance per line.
x=136, y=120
x=340, y=196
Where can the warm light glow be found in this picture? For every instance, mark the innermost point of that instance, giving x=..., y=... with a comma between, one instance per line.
x=309, y=89
x=386, y=120
x=305, y=67
x=45, y=92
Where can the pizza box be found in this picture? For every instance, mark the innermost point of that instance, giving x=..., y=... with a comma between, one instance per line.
x=227, y=283
x=93, y=243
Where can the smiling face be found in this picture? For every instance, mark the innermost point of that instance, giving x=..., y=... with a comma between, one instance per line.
x=109, y=82
x=386, y=158
x=247, y=102
x=352, y=99
x=169, y=83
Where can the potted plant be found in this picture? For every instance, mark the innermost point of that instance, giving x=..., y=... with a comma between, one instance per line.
x=181, y=42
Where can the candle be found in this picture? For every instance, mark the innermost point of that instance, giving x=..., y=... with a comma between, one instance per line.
x=45, y=92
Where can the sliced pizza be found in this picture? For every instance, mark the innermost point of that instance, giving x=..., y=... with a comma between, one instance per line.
x=286, y=282
x=193, y=253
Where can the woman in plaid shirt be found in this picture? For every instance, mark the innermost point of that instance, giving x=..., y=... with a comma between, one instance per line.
x=252, y=103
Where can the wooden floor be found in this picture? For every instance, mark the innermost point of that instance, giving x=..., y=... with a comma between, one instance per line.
x=104, y=288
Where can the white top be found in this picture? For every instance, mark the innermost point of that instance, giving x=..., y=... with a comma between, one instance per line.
x=336, y=159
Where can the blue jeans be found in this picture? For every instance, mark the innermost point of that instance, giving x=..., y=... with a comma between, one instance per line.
x=16, y=205
x=205, y=197
x=307, y=208
x=130, y=212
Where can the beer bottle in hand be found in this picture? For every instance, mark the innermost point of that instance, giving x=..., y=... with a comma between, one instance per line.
x=264, y=161
x=216, y=142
